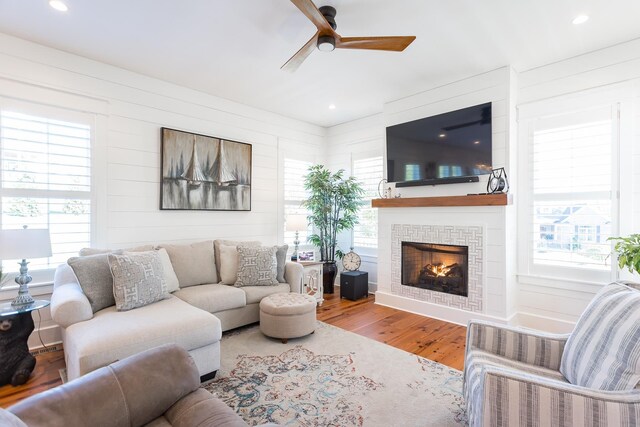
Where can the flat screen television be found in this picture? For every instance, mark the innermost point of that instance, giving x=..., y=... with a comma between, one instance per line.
x=442, y=149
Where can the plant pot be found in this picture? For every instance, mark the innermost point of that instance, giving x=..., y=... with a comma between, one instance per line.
x=329, y=272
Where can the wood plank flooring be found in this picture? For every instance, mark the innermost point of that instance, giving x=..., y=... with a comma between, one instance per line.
x=430, y=338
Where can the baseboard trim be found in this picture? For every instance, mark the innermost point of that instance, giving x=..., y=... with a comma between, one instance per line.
x=440, y=312
x=545, y=323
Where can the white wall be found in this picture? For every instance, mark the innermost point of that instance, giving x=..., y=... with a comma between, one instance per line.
x=130, y=109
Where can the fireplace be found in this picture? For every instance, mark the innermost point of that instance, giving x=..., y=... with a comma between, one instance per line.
x=436, y=267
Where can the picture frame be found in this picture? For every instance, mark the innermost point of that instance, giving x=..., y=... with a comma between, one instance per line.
x=201, y=172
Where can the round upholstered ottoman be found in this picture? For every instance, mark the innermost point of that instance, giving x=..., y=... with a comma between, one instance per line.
x=287, y=315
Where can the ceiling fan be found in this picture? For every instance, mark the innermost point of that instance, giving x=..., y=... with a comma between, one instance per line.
x=326, y=39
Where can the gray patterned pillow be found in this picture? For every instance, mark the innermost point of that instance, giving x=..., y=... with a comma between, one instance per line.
x=257, y=266
x=138, y=279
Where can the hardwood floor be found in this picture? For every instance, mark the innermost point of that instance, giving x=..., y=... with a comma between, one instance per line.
x=430, y=338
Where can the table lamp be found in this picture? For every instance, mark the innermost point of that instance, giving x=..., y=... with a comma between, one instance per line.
x=296, y=223
x=21, y=244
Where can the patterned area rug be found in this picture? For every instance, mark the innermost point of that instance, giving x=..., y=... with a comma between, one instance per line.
x=334, y=378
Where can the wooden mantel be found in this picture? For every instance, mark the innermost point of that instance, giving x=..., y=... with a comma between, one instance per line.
x=421, y=202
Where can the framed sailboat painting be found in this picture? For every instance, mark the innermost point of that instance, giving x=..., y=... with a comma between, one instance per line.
x=202, y=172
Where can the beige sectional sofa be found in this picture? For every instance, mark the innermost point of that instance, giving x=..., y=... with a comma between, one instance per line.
x=193, y=316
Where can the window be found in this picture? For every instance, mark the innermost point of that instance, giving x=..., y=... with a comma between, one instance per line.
x=572, y=193
x=45, y=182
x=369, y=172
x=294, y=195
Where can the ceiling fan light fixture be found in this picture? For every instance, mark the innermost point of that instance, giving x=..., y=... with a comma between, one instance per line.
x=326, y=43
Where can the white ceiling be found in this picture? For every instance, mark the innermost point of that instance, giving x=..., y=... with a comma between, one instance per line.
x=234, y=48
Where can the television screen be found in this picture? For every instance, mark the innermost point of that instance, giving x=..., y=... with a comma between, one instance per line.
x=449, y=145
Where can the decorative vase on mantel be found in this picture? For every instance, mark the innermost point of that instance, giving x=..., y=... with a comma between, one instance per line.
x=329, y=272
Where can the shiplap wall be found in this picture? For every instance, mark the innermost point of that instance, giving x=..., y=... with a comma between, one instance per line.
x=130, y=109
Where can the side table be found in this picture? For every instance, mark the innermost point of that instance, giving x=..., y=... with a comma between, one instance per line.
x=354, y=285
x=16, y=324
x=312, y=280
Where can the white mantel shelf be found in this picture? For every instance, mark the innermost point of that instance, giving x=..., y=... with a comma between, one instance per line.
x=501, y=199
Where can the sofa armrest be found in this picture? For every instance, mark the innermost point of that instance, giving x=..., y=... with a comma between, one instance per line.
x=505, y=397
x=520, y=344
x=69, y=304
x=131, y=392
x=293, y=274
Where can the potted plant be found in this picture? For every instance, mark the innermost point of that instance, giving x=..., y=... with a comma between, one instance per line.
x=333, y=205
x=628, y=250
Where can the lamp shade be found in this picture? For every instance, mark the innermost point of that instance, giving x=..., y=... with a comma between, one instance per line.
x=24, y=243
x=297, y=223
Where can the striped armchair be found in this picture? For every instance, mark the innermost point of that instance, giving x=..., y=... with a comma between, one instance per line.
x=512, y=378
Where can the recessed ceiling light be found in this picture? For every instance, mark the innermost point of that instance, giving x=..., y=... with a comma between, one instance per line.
x=580, y=19
x=58, y=5
x=476, y=142
x=332, y=107
x=442, y=135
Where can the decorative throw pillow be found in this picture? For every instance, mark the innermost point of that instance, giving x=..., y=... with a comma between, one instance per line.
x=220, y=242
x=138, y=279
x=94, y=276
x=228, y=264
x=281, y=258
x=169, y=275
x=194, y=264
x=603, y=351
x=257, y=266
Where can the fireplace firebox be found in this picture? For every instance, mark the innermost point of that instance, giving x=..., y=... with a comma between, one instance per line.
x=436, y=267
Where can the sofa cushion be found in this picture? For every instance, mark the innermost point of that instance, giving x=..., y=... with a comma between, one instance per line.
x=281, y=259
x=228, y=264
x=217, y=243
x=193, y=263
x=256, y=293
x=603, y=351
x=113, y=335
x=138, y=279
x=257, y=266
x=94, y=275
x=173, y=284
x=213, y=298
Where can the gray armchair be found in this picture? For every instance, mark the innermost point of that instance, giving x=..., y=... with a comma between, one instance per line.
x=512, y=378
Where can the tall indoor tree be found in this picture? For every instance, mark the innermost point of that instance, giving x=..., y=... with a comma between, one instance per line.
x=333, y=205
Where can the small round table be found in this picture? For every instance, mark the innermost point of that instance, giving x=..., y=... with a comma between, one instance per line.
x=16, y=324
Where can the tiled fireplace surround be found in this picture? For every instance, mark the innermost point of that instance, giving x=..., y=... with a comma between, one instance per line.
x=491, y=279
x=440, y=234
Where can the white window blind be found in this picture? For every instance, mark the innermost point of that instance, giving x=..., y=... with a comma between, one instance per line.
x=369, y=172
x=572, y=169
x=45, y=182
x=294, y=194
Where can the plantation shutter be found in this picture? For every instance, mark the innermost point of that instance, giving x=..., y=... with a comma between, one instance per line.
x=368, y=172
x=45, y=182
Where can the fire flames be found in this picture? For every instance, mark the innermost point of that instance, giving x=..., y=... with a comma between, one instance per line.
x=440, y=269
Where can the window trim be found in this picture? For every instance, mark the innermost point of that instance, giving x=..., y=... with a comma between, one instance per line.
x=618, y=98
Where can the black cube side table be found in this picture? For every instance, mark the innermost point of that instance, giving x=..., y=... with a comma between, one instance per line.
x=354, y=285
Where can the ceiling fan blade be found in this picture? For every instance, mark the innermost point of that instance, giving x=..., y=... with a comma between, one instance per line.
x=294, y=62
x=311, y=11
x=397, y=44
